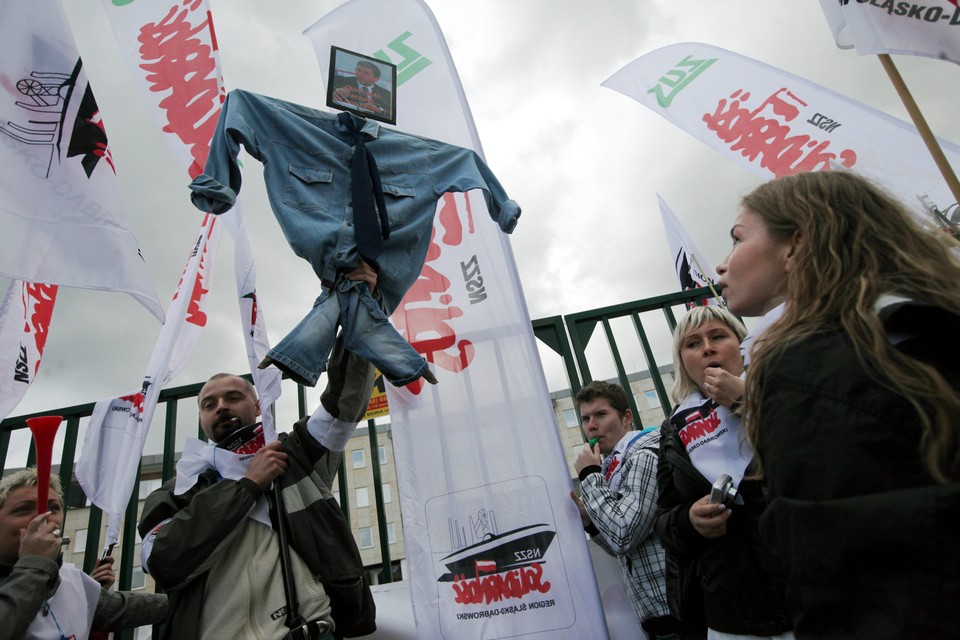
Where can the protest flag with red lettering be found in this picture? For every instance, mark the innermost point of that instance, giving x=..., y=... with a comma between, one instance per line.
x=113, y=444
x=472, y=490
x=693, y=270
x=930, y=29
x=25, y=312
x=774, y=123
x=61, y=211
x=172, y=50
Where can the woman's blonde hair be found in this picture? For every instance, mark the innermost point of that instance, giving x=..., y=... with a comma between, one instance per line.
x=683, y=384
x=855, y=243
x=26, y=478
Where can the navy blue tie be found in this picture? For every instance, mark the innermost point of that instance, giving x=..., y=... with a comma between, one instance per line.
x=370, y=230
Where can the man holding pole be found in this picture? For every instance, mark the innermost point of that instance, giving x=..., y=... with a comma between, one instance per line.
x=235, y=567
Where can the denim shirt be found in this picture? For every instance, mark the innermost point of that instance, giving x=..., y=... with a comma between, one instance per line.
x=306, y=156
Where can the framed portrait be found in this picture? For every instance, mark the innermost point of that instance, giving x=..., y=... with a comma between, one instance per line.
x=362, y=85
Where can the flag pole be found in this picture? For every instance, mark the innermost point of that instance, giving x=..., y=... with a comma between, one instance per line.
x=921, y=123
x=713, y=290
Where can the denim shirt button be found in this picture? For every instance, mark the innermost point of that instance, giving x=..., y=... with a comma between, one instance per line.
x=349, y=224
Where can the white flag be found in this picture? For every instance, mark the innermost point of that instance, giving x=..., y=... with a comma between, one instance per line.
x=775, y=123
x=25, y=312
x=172, y=50
x=930, y=28
x=113, y=444
x=61, y=213
x=692, y=269
x=480, y=464
x=173, y=55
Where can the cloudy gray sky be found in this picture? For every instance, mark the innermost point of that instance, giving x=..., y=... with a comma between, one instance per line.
x=583, y=161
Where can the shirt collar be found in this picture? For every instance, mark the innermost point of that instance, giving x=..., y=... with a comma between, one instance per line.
x=628, y=439
x=623, y=443
x=371, y=128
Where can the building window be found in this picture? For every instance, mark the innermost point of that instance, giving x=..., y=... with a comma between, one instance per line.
x=387, y=494
x=149, y=486
x=571, y=418
x=366, y=537
x=137, y=579
x=383, y=455
x=363, y=497
x=652, y=400
x=358, y=459
x=79, y=541
x=391, y=533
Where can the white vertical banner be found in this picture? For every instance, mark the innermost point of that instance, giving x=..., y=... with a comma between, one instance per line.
x=113, y=444
x=172, y=50
x=774, y=123
x=25, y=312
x=495, y=547
x=692, y=269
x=930, y=28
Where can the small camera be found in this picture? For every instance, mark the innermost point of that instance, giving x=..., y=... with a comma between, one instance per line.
x=723, y=491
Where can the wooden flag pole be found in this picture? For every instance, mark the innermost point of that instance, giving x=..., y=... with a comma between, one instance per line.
x=922, y=127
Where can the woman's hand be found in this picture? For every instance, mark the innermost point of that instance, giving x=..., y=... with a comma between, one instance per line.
x=104, y=573
x=710, y=520
x=42, y=537
x=722, y=387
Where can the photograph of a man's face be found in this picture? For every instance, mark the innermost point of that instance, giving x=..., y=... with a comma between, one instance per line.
x=362, y=85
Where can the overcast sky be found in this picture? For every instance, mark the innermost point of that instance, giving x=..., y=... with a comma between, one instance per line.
x=583, y=161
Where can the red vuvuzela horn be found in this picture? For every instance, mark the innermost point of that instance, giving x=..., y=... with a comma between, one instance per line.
x=44, y=429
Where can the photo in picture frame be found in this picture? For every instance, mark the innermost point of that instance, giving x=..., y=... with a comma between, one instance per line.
x=362, y=85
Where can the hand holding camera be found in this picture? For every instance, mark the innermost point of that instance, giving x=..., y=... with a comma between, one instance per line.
x=723, y=492
x=709, y=514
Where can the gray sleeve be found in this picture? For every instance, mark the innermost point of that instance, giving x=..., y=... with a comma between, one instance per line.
x=125, y=609
x=350, y=381
x=22, y=594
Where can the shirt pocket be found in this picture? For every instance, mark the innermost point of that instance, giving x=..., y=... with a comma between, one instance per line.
x=308, y=188
x=398, y=199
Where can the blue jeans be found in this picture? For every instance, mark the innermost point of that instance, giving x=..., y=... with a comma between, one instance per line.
x=366, y=332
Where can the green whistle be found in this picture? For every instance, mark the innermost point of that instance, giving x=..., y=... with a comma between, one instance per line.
x=594, y=441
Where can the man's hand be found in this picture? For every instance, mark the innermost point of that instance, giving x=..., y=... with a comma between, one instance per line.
x=584, y=517
x=104, y=573
x=268, y=464
x=587, y=456
x=41, y=538
x=365, y=272
x=710, y=520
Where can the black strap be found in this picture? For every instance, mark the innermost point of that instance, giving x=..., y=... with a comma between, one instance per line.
x=293, y=618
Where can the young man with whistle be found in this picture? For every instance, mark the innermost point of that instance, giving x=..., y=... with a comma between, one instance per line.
x=618, y=502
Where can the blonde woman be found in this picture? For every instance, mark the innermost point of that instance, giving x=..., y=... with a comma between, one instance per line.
x=715, y=559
